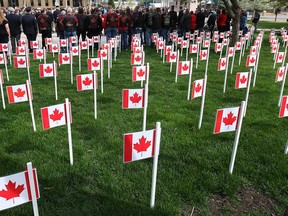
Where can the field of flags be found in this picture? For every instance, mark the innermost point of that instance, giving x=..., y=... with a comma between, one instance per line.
x=170, y=104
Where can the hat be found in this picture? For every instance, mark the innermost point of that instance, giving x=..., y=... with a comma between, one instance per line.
x=11, y=9
x=28, y=9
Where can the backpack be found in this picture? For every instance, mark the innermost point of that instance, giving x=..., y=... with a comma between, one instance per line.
x=43, y=22
x=93, y=21
x=166, y=20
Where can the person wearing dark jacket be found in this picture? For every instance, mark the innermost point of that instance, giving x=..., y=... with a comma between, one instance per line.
x=29, y=25
x=55, y=14
x=185, y=23
x=200, y=19
x=45, y=26
x=173, y=17
x=211, y=21
x=81, y=27
x=14, y=22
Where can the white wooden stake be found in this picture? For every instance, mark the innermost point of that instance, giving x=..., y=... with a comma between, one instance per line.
x=275, y=54
x=10, y=51
x=108, y=62
x=286, y=148
x=207, y=61
x=285, y=52
x=28, y=67
x=237, y=135
x=145, y=106
x=283, y=84
x=32, y=188
x=226, y=71
x=95, y=93
x=5, y=63
x=79, y=57
x=155, y=163
x=71, y=67
x=240, y=55
x=187, y=49
x=55, y=79
x=101, y=74
x=190, y=79
x=233, y=58
x=202, y=102
x=68, y=116
x=29, y=93
x=198, y=51
x=2, y=94
x=177, y=65
x=148, y=73
x=164, y=48
x=256, y=67
x=92, y=48
x=248, y=90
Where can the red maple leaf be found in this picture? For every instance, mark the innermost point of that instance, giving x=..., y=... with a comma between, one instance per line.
x=184, y=44
x=56, y=116
x=135, y=98
x=252, y=60
x=243, y=79
x=218, y=47
x=138, y=58
x=280, y=74
x=95, y=63
x=75, y=50
x=141, y=73
x=143, y=145
x=65, y=58
x=230, y=119
x=54, y=47
x=5, y=46
x=1, y=59
x=23, y=42
x=254, y=50
x=173, y=56
x=238, y=45
x=168, y=49
x=137, y=51
x=274, y=48
x=49, y=41
x=106, y=47
x=103, y=54
x=185, y=67
x=73, y=39
x=11, y=191
x=223, y=63
x=286, y=106
x=48, y=69
x=63, y=42
x=280, y=57
x=39, y=53
x=21, y=61
x=35, y=44
x=194, y=48
x=160, y=44
x=87, y=81
x=84, y=45
x=19, y=93
x=21, y=50
x=198, y=88
x=206, y=43
x=204, y=54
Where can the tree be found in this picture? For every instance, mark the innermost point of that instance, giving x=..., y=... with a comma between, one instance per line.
x=111, y=2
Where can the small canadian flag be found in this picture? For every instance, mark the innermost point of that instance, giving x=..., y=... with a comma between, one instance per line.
x=238, y=45
x=38, y=54
x=218, y=47
x=34, y=44
x=197, y=88
x=160, y=45
x=279, y=57
x=85, y=82
x=179, y=40
x=226, y=119
x=138, y=73
x=242, y=79
x=221, y=34
x=18, y=93
x=83, y=45
x=132, y=98
x=222, y=64
x=63, y=42
x=206, y=43
x=184, y=44
x=136, y=58
x=193, y=48
x=53, y=48
x=274, y=48
x=95, y=39
x=4, y=47
x=106, y=46
x=89, y=41
x=215, y=38
x=21, y=50
x=20, y=62
x=230, y=52
x=74, y=50
x=283, y=112
x=198, y=40
x=94, y=64
x=138, y=145
x=171, y=57
x=22, y=42
x=137, y=49
x=203, y=54
x=73, y=39
x=183, y=67
x=64, y=58
x=47, y=70
x=256, y=42
x=2, y=59
x=167, y=49
x=251, y=61
x=253, y=50
x=54, y=116
x=280, y=74
x=103, y=53
x=225, y=41
x=48, y=41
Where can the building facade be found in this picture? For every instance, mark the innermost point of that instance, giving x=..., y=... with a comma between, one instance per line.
x=43, y=3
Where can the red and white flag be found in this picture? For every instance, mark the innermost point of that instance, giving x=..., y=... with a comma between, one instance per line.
x=34, y=45
x=160, y=45
x=167, y=49
x=221, y=35
x=218, y=47
x=105, y=46
x=198, y=40
x=94, y=64
x=53, y=48
x=251, y=60
x=274, y=48
x=20, y=62
x=22, y=42
x=225, y=41
x=15, y=189
x=73, y=39
x=38, y=54
x=133, y=98
x=4, y=47
x=206, y=43
x=64, y=58
x=242, y=79
x=136, y=58
x=18, y=93
x=238, y=45
x=137, y=49
x=74, y=50
x=230, y=52
x=193, y=48
x=85, y=82
x=95, y=39
x=197, y=88
x=253, y=50
x=203, y=55
x=179, y=40
x=103, y=53
x=48, y=41
x=83, y=45
x=2, y=59
x=279, y=57
x=138, y=145
x=283, y=112
x=183, y=67
x=21, y=50
x=46, y=70
x=280, y=74
x=89, y=41
x=63, y=42
x=226, y=119
x=54, y=116
x=184, y=44
x=171, y=57
x=222, y=64
x=139, y=73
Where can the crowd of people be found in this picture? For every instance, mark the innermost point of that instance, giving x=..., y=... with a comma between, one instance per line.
x=94, y=22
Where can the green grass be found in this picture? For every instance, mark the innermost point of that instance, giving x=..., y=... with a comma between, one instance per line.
x=193, y=163
x=270, y=25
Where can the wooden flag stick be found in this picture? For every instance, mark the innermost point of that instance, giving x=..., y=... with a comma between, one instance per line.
x=286, y=148
x=277, y=49
x=275, y=56
x=207, y=61
x=10, y=51
x=145, y=106
x=190, y=79
x=197, y=57
x=101, y=74
x=148, y=73
x=226, y=71
x=32, y=188
x=283, y=84
x=108, y=62
x=221, y=51
x=71, y=67
x=164, y=48
x=68, y=117
x=88, y=52
x=29, y=93
x=92, y=47
x=95, y=93
x=233, y=58
x=177, y=65
x=240, y=55
x=285, y=52
x=5, y=63
x=28, y=67
x=202, y=102
x=237, y=135
x=44, y=55
x=2, y=93
x=248, y=90
x=155, y=163
x=256, y=66
x=55, y=79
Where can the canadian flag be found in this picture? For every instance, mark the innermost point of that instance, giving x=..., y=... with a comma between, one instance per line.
x=256, y=42
x=253, y=50
x=73, y=39
x=274, y=48
x=22, y=42
x=179, y=40
x=34, y=44
x=225, y=41
x=85, y=82
x=222, y=64
x=215, y=38
x=167, y=49
x=74, y=50
x=38, y=54
x=103, y=53
x=136, y=58
x=279, y=57
x=18, y=93
x=4, y=47
x=112, y=42
x=160, y=45
x=221, y=34
x=218, y=47
x=132, y=98
x=238, y=45
x=137, y=49
x=203, y=54
x=283, y=112
x=64, y=58
x=226, y=119
x=183, y=67
x=193, y=48
x=54, y=116
x=242, y=79
x=89, y=41
x=94, y=64
x=21, y=50
x=184, y=44
x=197, y=88
x=198, y=40
x=206, y=43
x=47, y=70
x=230, y=52
x=53, y=48
x=280, y=74
x=63, y=42
x=135, y=44
x=83, y=45
x=95, y=39
x=105, y=46
x=251, y=61
x=138, y=145
x=2, y=59
x=15, y=189
x=48, y=41
x=20, y=62
x=171, y=57
x=138, y=73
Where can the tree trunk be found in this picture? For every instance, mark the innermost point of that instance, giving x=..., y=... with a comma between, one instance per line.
x=235, y=27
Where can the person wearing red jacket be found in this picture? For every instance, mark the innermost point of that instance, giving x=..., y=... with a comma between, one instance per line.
x=110, y=23
x=193, y=22
x=222, y=20
x=123, y=24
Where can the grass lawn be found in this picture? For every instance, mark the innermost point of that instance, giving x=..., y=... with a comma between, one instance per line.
x=270, y=25
x=193, y=163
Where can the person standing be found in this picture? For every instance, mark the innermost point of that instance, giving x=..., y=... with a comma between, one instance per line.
x=123, y=23
x=70, y=23
x=131, y=24
x=59, y=24
x=211, y=21
x=173, y=17
x=80, y=27
x=165, y=25
x=243, y=22
x=56, y=13
x=256, y=19
x=14, y=22
x=110, y=23
x=185, y=22
x=4, y=29
x=200, y=19
x=193, y=22
x=93, y=23
x=45, y=26
x=148, y=26
x=29, y=25
x=138, y=21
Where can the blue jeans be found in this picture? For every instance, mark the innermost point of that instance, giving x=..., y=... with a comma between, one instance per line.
x=68, y=34
x=110, y=32
x=148, y=34
x=124, y=39
x=164, y=33
x=139, y=31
